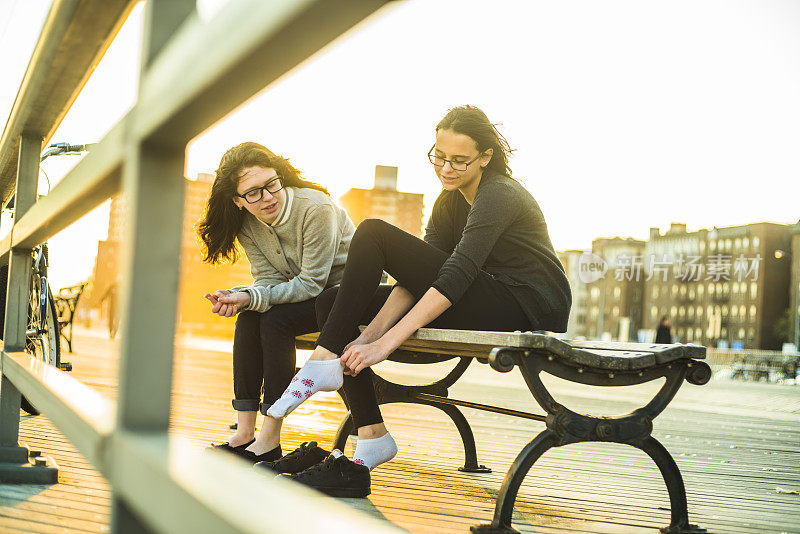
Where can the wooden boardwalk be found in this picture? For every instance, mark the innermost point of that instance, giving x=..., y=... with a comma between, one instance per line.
x=737, y=444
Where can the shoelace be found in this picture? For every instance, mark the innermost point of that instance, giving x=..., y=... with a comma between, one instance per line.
x=322, y=466
x=295, y=454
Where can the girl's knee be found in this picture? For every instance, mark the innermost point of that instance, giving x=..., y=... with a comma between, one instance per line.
x=370, y=227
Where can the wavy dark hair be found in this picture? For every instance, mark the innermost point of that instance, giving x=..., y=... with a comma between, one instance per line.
x=473, y=122
x=222, y=220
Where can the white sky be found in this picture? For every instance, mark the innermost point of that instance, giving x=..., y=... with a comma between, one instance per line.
x=624, y=114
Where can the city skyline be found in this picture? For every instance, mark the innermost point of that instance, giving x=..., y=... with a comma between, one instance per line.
x=618, y=126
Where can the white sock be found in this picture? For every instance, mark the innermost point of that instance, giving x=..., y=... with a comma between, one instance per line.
x=316, y=375
x=375, y=451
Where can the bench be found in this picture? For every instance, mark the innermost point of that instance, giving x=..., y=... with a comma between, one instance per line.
x=586, y=362
x=66, y=302
x=767, y=366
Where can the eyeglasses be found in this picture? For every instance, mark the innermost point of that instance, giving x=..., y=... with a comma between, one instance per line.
x=459, y=166
x=254, y=195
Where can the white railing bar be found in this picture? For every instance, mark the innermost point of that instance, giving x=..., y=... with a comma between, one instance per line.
x=208, y=69
x=84, y=416
x=5, y=248
x=191, y=490
x=82, y=28
x=93, y=180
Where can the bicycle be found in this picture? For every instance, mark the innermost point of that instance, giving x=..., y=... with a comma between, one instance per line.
x=42, y=334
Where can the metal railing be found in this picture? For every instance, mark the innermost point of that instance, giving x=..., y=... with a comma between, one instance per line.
x=192, y=74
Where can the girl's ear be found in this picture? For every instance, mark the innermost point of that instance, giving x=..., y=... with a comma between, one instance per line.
x=487, y=157
x=238, y=202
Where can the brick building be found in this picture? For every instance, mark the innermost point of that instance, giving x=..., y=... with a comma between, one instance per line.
x=615, y=300
x=384, y=201
x=724, y=286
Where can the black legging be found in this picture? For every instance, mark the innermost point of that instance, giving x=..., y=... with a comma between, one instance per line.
x=264, y=352
x=378, y=246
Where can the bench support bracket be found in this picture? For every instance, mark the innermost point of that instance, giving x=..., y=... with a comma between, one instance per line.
x=565, y=427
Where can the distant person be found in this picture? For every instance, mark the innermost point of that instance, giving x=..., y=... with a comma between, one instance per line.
x=297, y=240
x=486, y=263
x=663, y=333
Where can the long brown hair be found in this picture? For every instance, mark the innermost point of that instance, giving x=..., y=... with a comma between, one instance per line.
x=222, y=220
x=473, y=122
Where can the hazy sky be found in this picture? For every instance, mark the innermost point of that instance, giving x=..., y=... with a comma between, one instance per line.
x=624, y=114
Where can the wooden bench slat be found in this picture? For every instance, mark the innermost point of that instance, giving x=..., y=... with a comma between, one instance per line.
x=601, y=355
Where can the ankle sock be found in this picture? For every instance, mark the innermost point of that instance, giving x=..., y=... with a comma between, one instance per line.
x=316, y=375
x=375, y=451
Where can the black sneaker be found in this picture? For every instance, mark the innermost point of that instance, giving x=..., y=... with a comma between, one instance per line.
x=300, y=459
x=253, y=458
x=228, y=448
x=336, y=476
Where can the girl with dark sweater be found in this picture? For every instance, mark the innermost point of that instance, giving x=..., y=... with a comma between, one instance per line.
x=486, y=263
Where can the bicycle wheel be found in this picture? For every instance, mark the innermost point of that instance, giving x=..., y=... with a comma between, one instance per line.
x=42, y=337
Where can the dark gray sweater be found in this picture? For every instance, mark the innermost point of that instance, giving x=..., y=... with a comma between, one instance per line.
x=504, y=234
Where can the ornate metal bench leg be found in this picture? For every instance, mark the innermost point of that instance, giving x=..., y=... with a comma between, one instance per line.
x=345, y=429
x=470, y=453
x=679, y=522
x=504, y=508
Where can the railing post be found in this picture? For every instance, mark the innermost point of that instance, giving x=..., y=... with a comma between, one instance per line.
x=14, y=464
x=19, y=272
x=154, y=187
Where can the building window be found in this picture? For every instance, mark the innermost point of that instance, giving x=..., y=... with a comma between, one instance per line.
x=688, y=334
x=654, y=312
x=753, y=290
x=674, y=289
x=595, y=293
x=742, y=312
x=752, y=311
x=655, y=292
x=724, y=310
x=691, y=293
x=698, y=334
x=756, y=241
x=735, y=288
x=710, y=288
x=683, y=291
x=741, y=333
x=734, y=311
x=745, y=242
x=595, y=312
x=712, y=246
x=728, y=244
x=699, y=312
x=673, y=311
x=700, y=289
x=682, y=312
x=690, y=311
x=738, y=243
x=751, y=334
x=723, y=332
x=617, y=291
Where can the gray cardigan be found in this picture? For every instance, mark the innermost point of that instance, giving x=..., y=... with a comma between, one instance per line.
x=300, y=254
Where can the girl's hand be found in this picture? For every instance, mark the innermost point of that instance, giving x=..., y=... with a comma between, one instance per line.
x=226, y=304
x=358, y=357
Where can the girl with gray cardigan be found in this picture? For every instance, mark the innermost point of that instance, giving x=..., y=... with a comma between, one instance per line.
x=296, y=240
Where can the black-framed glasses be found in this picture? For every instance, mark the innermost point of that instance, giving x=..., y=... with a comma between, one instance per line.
x=459, y=166
x=254, y=195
